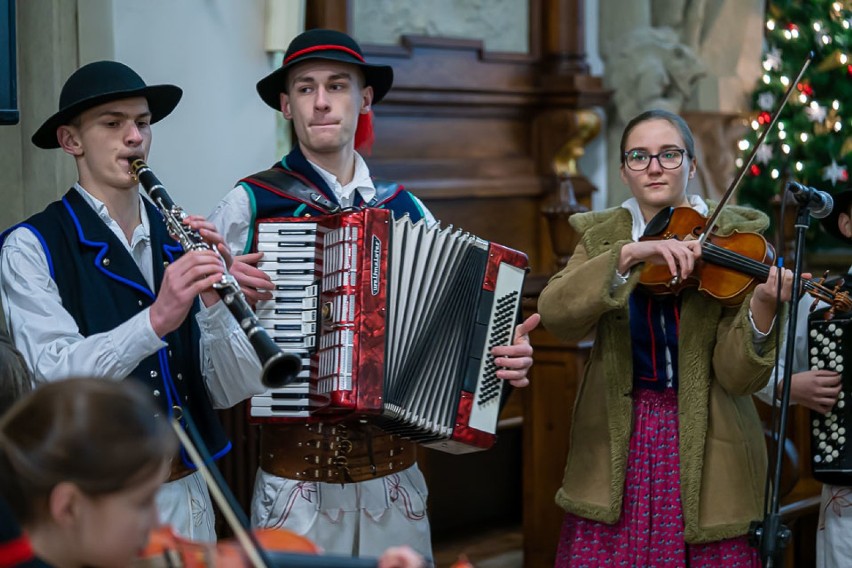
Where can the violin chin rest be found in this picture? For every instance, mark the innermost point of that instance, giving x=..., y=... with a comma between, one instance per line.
x=659, y=223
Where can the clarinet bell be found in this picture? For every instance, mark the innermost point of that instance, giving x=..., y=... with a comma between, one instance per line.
x=280, y=370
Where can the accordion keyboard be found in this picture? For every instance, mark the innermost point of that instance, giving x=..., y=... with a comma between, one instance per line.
x=292, y=261
x=830, y=348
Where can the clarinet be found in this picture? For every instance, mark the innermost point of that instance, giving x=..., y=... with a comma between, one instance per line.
x=279, y=367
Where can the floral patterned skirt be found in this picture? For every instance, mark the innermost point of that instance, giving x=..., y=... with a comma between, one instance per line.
x=650, y=530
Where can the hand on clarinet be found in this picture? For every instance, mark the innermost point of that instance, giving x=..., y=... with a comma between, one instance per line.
x=185, y=279
x=254, y=283
x=515, y=360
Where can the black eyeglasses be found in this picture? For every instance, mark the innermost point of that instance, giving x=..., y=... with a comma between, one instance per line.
x=640, y=160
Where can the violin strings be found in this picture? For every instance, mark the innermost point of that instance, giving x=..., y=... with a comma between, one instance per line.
x=735, y=260
x=732, y=259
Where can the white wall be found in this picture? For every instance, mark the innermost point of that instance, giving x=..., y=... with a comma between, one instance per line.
x=213, y=50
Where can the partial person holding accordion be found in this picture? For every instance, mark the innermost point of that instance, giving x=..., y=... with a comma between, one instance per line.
x=95, y=286
x=350, y=486
x=667, y=456
x=816, y=383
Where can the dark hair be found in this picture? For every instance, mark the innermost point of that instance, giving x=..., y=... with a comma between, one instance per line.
x=102, y=435
x=659, y=114
x=16, y=380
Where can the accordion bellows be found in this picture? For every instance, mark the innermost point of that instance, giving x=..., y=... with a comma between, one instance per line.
x=394, y=321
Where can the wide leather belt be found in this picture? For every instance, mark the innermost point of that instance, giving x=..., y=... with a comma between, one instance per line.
x=333, y=453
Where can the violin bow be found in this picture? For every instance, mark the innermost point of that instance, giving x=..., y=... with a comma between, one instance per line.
x=220, y=493
x=247, y=542
x=711, y=223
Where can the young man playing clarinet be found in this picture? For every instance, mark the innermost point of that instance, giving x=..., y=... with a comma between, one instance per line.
x=378, y=498
x=94, y=285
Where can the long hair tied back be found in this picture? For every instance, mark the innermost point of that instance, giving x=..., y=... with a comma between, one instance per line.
x=99, y=434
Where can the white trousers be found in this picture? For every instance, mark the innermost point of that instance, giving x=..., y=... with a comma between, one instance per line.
x=352, y=519
x=834, y=533
x=185, y=506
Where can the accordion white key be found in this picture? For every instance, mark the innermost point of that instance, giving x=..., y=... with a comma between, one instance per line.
x=393, y=320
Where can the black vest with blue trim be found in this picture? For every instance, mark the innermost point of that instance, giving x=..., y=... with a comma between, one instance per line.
x=293, y=188
x=101, y=287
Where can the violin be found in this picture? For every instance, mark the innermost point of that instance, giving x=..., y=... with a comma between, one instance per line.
x=730, y=266
x=167, y=549
x=283, y=548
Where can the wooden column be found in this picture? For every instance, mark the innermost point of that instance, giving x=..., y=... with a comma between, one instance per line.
x=564, y=52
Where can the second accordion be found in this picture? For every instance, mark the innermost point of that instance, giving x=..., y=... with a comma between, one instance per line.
x=830, y=348
x=394, y=321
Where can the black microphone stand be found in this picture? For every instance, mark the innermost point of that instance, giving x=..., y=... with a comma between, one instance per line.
x=770, y=536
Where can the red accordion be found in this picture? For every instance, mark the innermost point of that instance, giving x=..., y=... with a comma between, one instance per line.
x=394, y=321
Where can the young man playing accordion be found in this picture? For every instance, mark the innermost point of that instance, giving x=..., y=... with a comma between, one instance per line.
x=326, y=88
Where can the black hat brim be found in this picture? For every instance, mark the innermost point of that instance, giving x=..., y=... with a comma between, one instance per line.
x=162, y=100
x=379, y=77
x=842, y=202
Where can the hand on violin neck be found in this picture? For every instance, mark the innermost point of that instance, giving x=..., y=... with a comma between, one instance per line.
x=765, y=299
x=679, y=256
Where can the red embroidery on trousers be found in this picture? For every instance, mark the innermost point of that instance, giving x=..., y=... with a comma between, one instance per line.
x=396, y=492
x=305, y=490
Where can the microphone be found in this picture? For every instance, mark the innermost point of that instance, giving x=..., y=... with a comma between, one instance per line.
x=819, y=202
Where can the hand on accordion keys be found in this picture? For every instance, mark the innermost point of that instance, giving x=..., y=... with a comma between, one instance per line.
x=516, y=359
x=815, y=389
x=254, y=283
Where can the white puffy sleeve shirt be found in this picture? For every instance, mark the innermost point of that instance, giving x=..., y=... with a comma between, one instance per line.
x=51, y=342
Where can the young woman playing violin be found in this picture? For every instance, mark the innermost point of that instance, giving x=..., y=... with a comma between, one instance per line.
x=81, y=461
x=667, y=456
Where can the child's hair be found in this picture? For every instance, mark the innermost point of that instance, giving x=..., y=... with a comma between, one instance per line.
x=102, y=435
x=16, y=380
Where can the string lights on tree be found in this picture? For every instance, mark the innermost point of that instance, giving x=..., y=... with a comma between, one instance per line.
x=812, y=141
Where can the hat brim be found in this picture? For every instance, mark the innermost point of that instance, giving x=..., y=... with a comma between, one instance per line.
x=842, y=202
x=162, y=100
x=379, y=77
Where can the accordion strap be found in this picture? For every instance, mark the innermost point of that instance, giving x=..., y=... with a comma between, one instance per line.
x=291, y=185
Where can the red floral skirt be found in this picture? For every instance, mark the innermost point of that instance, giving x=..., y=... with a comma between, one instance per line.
x=650, y=530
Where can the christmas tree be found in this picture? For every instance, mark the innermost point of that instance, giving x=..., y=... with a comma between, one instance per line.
x=812, y=141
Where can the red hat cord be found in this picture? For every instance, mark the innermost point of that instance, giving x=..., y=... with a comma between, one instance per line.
x=313, y=48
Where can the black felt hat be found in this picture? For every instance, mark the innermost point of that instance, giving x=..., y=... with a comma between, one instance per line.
x=100, y=82
x=324, y=44
x=842, y=202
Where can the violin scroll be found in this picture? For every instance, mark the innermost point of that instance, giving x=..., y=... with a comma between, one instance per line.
x=837, y=298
